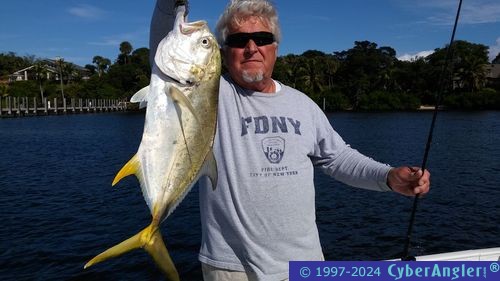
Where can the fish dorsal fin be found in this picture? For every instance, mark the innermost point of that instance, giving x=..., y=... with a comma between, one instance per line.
x=210, y=168
x=131, y=168
x=141, y=96
x=181, y=99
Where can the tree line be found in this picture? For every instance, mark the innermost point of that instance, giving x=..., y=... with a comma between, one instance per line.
x=105, y=79
x=365, y=77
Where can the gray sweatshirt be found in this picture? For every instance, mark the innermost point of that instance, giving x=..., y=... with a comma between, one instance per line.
x=262, y=213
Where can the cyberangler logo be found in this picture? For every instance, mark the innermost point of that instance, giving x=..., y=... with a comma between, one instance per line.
x=273, y=148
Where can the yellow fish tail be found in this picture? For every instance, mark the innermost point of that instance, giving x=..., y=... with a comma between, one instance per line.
x=149, y=239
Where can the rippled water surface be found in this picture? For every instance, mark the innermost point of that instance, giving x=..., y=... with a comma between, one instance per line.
x=58, y=208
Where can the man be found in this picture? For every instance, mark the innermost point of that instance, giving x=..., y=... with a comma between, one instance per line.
x=269, y=137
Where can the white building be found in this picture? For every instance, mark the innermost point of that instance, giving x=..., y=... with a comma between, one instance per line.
x=52, y=73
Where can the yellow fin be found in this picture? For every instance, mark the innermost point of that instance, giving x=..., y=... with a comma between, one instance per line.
x=132, y=167
x=158, y=251
x=150, y=239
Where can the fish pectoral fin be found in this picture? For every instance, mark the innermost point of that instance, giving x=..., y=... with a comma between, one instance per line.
x=210, y=169
x=141, y=96
x=181, y=99
x=131, y=168
x=150, y=239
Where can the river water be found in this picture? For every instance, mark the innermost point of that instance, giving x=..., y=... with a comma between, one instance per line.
x=58, y=208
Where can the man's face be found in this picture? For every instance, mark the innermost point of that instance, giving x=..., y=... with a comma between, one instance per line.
x=251, y=66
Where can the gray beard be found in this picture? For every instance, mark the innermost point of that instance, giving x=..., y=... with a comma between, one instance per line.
x=255, y=77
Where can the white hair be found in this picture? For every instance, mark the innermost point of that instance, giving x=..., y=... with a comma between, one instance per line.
x=239, y=10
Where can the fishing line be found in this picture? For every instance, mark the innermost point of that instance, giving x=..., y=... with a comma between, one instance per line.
x=449, y=54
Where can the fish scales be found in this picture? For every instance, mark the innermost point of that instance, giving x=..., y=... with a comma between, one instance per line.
x=179, y=129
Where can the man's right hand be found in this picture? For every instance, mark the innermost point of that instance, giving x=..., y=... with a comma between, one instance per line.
x=182, y=3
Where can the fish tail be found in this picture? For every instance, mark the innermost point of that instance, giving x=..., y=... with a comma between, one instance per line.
x=151, y=240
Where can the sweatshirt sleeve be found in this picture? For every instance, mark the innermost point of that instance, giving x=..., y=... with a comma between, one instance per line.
x=338, y=160
x=162, y=21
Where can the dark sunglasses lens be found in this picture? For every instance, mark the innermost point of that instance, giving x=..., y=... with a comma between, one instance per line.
x=240, y=40
x=237, y=40
x=263, y=38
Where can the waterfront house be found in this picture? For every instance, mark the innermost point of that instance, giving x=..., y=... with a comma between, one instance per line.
x=52, y=72
x=493, y=71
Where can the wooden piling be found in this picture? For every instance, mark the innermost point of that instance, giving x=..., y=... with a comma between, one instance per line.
x=25, y=106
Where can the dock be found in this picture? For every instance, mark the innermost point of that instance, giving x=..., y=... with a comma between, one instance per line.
x=24, y=106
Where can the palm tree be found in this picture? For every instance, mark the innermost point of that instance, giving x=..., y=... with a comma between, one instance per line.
x=60, y=63
x=311, y=75
x=101, y=63
x=285, y=70
x=125, y=50
x=331, y=65
x=40, y=70
x=474, y=75
x=70, y=71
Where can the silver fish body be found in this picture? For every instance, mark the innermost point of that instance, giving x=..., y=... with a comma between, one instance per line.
x=179, y=129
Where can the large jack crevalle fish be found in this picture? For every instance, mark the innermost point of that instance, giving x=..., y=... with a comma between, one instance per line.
x=179, y=129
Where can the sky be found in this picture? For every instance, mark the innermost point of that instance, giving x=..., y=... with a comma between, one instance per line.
x=79, y=30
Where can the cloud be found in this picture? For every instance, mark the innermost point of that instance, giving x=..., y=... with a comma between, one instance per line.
x=482, y=13
x=411, y=57
x=115, y=40
x=473, y=12
x=109, y=41
x=494, y=50
x=87, y=12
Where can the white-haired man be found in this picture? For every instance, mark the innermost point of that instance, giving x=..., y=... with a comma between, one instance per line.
x=269, y=137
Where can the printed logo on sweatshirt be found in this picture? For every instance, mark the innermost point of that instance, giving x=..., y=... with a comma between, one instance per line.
x=273, y=148
x=272, y=124
x=274, y=171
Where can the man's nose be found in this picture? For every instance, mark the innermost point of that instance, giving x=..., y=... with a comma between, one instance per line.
x=251, y=47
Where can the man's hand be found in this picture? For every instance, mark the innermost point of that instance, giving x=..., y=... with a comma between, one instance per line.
x=409, y=181
x=181, y=3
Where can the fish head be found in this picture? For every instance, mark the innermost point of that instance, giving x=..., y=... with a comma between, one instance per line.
x=189, y=53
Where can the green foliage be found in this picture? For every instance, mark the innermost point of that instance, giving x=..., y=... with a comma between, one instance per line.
x=334, y=100
x=364, y=77
x=10, y=62
x=381, y=100
x=484, y=99
x=4, y=90
x=365, y=68
x=467, y=70
x=96, y=87
x=73, y=90
x=23, y=89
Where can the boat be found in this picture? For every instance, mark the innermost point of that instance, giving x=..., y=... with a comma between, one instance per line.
x=487, y=254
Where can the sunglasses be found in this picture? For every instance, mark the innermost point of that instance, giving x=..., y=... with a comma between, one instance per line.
x=240, y=40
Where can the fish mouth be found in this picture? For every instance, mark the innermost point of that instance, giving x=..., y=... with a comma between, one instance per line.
x=185, y=27
x=188, y=28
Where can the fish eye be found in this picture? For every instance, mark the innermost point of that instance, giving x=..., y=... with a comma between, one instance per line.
x=205, y=42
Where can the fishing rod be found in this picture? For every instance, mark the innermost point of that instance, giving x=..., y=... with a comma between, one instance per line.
x=449, y=54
